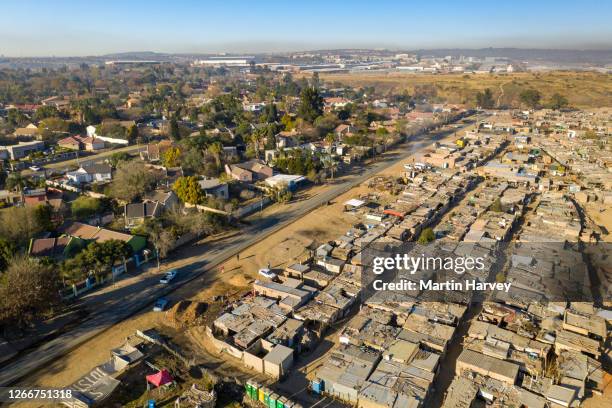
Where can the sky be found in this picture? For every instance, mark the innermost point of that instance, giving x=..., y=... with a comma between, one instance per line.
x=94, y=27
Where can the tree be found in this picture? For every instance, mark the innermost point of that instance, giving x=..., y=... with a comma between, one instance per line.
x=558, y=101
x=426, y=236
x=100, y=257
x=531, y=98
x=288, y=122
x=43, y=214
x=15, y=181
x=20, y=224
x=330, y=165
x=28, y=290
x=188, y=190
x=175, y=130
x=497, y=206
x=132, y=135
x=485, y=99
x=118, y=157
x=271, y=113
x=162, y=239
x=311, y=104
x=132, y=180
x=280, y=194
x=7, y=251
x=215, y=149
x=85, y=207
x=171, y=157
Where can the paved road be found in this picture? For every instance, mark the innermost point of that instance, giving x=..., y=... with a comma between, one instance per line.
x=115, y=305
x=68, y=164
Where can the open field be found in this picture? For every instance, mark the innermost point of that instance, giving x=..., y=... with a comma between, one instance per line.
x=582, y=89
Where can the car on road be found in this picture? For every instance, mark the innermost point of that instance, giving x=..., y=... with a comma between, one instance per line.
x=160, y=305
x=35, y=168
x=169, y=276
x=267, y=273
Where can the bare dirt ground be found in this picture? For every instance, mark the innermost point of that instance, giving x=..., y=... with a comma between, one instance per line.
x=601, y=214
x=582, y=89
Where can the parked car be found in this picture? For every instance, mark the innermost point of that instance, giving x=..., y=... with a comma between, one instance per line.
x=160, y=305
x=267, y=273
x=169, y=276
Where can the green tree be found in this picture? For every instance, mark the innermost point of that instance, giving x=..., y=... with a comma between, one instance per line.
x=485, y=99
x=426, y=236
x=7, y=251
x=288, y=122
x=15, y=181
x=171, y=157
x=215, y=149
x=311, y=104
x=497, y=206
x=188, y=190
x=85, y=207
x=558, y=101
x=175, y=130
x=100, y=257
x=531, y=98
x=132, y=135
x=271, y=113
x=43, y=214
x=117, y=158
x=28, y=290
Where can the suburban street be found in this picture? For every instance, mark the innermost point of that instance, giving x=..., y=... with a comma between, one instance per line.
x=68, y=164
x=133, y=293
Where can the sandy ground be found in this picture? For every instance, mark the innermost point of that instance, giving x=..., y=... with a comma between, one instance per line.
x=601, y=214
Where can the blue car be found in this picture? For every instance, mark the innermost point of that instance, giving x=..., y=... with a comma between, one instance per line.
x=160, y=305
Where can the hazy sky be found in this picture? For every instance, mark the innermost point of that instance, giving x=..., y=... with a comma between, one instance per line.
x=93, y=27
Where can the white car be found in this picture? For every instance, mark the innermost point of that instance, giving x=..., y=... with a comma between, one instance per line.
x=267, y=273
x=169, y=276
x=35, y=168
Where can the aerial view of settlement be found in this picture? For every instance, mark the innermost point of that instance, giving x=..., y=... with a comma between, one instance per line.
x=413, y=210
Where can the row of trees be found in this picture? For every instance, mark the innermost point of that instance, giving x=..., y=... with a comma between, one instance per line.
x=531, y=98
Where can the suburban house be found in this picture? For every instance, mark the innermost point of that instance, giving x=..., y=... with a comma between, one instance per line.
x=154, y=152
x=286, y=139
x=289, y=181
x=336, y=102
x=96, y=172
x=98, y=234
x=8, y=197
x=34, y=197
x=22, y=149
x=152, y=206
x=167, y=199
x=29, y=131
x=137, y=213
x=249, y=171
x=212, y=187
x=81, y=143
x=57, y=248
x=344, y=130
